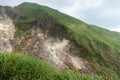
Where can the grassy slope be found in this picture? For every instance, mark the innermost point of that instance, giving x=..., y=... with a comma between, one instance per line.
x=24, y=67
x=99, y=46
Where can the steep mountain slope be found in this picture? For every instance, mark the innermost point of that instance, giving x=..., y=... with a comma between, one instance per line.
x=63, y=41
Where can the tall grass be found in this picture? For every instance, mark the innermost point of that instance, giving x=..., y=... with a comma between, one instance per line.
x=24, y=67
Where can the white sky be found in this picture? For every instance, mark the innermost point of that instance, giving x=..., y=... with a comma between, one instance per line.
x=103, y=13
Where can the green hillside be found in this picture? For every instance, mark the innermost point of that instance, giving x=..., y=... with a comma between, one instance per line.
x=99, y=46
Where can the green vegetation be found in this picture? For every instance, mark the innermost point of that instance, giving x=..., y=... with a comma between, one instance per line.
x=24, y=67
x=99, y=46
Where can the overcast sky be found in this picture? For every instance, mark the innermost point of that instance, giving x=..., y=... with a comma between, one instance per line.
x=103, y=13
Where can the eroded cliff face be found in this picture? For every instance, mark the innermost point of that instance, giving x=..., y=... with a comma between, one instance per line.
x=60, y=52
x=43, y=40
x=7, y=30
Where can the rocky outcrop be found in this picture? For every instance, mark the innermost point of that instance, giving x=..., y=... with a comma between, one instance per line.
x=60, y=52
x=7, y=30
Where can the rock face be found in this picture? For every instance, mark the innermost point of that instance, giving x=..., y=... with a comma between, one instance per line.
x=43, y=41
x=7, y=30
x=60, y=52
